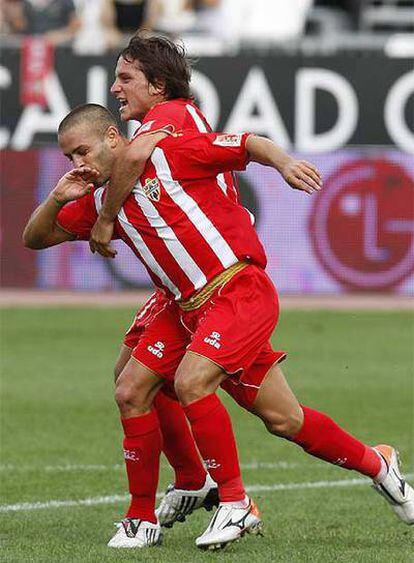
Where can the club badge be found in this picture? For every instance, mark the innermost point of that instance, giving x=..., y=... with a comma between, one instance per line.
x=152, y=189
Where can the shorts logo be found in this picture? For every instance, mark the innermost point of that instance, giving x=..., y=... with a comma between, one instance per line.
x=131, y=455
x=227, y=140
x=213, y=340
x=157, y=349
x=152, y=189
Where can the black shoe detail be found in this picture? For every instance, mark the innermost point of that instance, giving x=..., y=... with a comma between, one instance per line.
x=239, y=523
x=131, y=526
x=401, y=482
x=211, y=500
x=386, y=494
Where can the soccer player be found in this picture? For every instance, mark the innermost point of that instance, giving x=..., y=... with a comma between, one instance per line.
x=152, y=85
x=226, y=305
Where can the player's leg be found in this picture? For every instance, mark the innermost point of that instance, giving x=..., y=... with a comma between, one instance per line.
x=193, y=487
x=197, y=380
x=178, y=442
x=135, y=389
x=227, y=331
x=322, y=437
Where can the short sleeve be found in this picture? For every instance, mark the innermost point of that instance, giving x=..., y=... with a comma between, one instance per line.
x=78, y=217
x=199, y=155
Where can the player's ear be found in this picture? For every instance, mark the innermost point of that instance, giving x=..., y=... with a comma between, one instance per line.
x=156, y=88
x=112, y=135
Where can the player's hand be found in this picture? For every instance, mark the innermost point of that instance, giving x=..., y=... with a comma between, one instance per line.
x=101, y=235
x=74, y=185
x=302, y=175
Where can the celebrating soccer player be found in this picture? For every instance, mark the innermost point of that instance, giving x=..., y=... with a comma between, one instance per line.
x=200, y=248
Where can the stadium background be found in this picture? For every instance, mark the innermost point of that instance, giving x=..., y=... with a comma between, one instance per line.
x=350, y=113
x=341, y=98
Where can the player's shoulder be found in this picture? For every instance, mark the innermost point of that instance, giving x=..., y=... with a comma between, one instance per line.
x=170, y=108
x=169, y=116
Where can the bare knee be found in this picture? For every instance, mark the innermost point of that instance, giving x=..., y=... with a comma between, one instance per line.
x=133, y=395
x=285, y=425
x=125, y=397
x=189, y=387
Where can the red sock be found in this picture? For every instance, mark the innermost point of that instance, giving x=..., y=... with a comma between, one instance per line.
x=142, y=450
x=178, y=444
x=321, y=437
x=213, y=433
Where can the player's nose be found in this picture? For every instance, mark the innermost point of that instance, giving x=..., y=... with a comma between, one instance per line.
x=78, y=161
x=115, y=87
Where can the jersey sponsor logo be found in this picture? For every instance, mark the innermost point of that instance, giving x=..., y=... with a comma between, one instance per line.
x=152, y=189
x=131, y=455
x=157, y=349
x=213, y=339
x=228, y=140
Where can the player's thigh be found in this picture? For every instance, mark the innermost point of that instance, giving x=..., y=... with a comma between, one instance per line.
x=163, y=343
x=237, y=321
x=122, y=360
x=143, y=317
x=196, y=377
x=277, y=405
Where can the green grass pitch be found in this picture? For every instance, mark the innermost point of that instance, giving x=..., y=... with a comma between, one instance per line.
x=61, y=441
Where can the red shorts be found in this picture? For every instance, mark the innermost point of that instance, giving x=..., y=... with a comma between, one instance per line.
x=232, y=329
x=158, y=339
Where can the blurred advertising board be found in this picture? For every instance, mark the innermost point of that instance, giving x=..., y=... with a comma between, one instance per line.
x=357, y=234
x=305, y=103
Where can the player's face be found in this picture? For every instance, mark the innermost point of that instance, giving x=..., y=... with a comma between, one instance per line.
x=132, y=90
x=85, y=147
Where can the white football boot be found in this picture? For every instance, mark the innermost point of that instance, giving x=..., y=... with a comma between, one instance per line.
x=230, y=523
x=393, y=487
x=177, y=504
x=134, y=533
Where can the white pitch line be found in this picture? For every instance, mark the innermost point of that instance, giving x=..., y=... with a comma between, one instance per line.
x=118, y=467
x=113, y=499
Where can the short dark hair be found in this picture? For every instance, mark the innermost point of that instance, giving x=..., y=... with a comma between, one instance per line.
x=162, y=61
x=99, y=117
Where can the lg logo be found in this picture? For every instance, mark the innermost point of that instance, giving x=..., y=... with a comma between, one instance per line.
x=362, y=224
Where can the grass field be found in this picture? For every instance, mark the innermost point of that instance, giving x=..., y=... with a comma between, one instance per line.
x=61, y=442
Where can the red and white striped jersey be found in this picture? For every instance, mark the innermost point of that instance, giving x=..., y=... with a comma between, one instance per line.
x=181, y=115
x=178, y=220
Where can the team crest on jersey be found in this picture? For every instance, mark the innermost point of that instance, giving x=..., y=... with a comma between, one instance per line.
x=227, y=140
x=152, y=189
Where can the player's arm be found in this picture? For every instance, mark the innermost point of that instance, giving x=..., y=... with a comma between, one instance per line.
x=42, y=229
x=124, y=175
x=198, y=155
x=299, y=174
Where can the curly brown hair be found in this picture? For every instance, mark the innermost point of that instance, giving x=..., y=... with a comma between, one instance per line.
x=162, y=61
